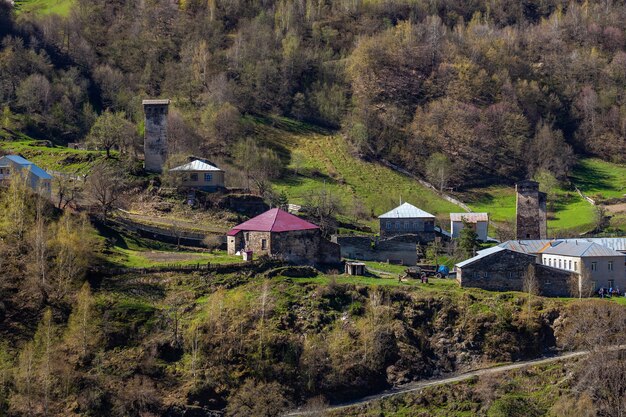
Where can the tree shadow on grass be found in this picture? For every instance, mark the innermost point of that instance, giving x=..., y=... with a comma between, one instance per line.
x=588, y=178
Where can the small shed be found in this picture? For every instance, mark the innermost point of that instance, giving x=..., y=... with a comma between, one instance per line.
x=355, y=268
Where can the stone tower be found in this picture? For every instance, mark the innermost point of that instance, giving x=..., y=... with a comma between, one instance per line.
x=155, y=134
x=531, y=222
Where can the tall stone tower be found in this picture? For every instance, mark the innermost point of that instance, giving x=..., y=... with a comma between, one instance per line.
x=531, y=211
x=155, y=134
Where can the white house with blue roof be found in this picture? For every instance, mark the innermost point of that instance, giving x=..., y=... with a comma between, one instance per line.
x=37, y=179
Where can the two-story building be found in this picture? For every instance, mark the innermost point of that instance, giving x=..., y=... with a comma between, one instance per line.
x=200, y=175
x=605, y=265
x=478, y=221
x=407, y=219
x=36, y=178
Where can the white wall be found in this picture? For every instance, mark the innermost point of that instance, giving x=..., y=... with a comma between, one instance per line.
x=481, y=229
x=601, y=275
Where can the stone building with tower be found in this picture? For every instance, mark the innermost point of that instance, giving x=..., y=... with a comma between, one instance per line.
x=155, y=134
x=531, y=214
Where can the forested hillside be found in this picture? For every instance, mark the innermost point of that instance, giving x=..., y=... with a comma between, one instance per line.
x=492, y=90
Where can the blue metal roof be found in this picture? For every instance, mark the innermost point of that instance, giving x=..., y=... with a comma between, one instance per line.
x=26, y=164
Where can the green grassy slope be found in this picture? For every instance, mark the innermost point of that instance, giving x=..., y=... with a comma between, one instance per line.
x=600, y=179
x=54, y=158
x=44, y=7
x=321, y=160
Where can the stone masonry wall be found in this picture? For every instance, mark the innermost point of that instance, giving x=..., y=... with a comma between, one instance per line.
x=155, y=137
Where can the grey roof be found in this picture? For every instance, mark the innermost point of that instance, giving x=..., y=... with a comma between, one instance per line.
x=25, y=163
x=526, y=246
x=469, y=217
x=196, y=165
x=535, y=246
x=615, y=243
x=482, y=254
x=406, y=211
x=579, y=249
x=156, y=102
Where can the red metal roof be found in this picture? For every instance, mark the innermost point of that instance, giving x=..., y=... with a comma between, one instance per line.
x=274, y=220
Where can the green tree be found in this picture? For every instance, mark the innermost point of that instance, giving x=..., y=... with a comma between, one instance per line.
x=468, y=239
x=110, y=131
x=438, y=170
x=83, y=332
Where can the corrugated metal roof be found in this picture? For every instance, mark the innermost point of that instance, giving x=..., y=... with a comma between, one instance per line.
x=469, y=217
x=406, y=211
x=579, y=249
x=274, y=220
x=615, y=243
x=196, y=165
x=525, y=246
x=156, y=102
x=536, y=246
x=28, y=165
x=482, y=254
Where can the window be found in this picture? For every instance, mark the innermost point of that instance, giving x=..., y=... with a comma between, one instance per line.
x=560, y=264
x=388, y=225
x=610, y=265
x=194, y=177
x=548, y=282
x=611, y=283
x=486, y=274
x=406, y=225
x=575, y=266
x=398, y=224
x=594, y=266
x=570, y=265
x=208, y=177
x=415, y=226
x=263, y=244
x=510, y=275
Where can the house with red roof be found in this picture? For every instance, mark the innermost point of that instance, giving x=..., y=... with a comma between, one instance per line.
x=280, y=234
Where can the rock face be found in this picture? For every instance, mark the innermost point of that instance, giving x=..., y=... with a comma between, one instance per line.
x=155, y=134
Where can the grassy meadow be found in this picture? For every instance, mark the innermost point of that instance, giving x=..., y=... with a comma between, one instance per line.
x=44, y=7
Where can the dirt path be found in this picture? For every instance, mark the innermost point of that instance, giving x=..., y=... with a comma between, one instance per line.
x=418, y=386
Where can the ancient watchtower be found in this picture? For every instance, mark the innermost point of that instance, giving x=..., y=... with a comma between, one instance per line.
x=155, y=134
x=531, y=211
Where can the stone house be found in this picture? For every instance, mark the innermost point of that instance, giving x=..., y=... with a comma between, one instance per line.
x=401, y=249
x=280, y=234
x=605, y=265
x=36, y=178
x=408, y=219
x=478, y=221
x=200, y=175
x=501, y=269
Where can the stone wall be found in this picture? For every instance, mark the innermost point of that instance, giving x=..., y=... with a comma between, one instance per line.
x=155, y=137
x=505, y=270
x=401, y=249
x=531, y=217
x=300, y=246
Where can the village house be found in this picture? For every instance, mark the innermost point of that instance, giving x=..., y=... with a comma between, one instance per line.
x=407, y=219
x=477, y=221
x=280, y=234
x=36, y=178
x=502, y=269
x=200, y=175
x=606, y=267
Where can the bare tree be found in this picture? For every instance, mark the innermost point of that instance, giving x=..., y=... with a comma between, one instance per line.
x=323, y=207
x=581, y=285
x=68, y=190
x=104, y=187
x=530, y=285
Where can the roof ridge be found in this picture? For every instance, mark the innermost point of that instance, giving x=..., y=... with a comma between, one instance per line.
x=275, y=218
